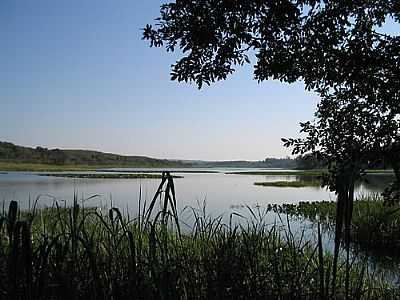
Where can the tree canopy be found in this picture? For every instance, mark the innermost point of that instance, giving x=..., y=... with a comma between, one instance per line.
x=337, y=48
x=323, y=43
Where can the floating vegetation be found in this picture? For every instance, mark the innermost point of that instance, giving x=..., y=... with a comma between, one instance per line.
x=375, y=226
x=107, y=176
x=156, y=171
x=295, y=184
x=280, y=173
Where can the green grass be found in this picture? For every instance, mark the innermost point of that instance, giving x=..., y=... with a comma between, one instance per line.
x=107, y=176
x=38, y=167
x=375, y=227
x=12, y=166
x=87, y=253
x=380, y=171
x=295, y=184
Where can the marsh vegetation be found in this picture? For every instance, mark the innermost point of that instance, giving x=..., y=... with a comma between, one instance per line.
x=375, y=226
x=81, y=252
x=107, y=175
x=295, y=183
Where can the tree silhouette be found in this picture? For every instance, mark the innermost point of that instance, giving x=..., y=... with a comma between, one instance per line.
x=350, y=135
x=336, y=48
x=324, y=43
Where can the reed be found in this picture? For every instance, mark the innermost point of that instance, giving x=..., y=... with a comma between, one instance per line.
x=375, y=226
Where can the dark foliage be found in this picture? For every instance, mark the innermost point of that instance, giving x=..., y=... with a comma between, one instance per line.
x=334, y=47
x=321, y=42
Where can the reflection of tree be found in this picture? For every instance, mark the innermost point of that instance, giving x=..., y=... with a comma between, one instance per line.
x=377, y=181
x=373, y=182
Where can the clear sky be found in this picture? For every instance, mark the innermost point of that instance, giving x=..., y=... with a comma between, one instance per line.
x=76, y=74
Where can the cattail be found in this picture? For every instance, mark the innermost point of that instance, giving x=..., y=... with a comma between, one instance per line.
x=12, y=218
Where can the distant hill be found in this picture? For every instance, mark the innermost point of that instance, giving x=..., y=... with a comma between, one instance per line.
x=19, y=154
x=14, y=154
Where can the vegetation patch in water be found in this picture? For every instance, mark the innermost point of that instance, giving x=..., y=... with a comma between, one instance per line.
x=157, y=171
x=295, y=184
x=107, y=176
x=375, y=227
x=280, y=173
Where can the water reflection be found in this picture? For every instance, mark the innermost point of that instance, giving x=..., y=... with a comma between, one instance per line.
x=222, y=192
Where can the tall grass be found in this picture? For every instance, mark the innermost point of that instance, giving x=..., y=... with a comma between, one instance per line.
x=86, y=253
x=375, y=226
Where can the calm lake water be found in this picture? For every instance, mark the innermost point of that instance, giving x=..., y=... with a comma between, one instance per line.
x=223, y=193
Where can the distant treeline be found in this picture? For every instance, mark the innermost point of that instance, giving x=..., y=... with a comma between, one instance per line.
x=300, y=162
x=309, y=162
x=10, y=152
x=286, y=163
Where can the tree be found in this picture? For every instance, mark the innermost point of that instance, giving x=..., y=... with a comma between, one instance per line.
x=349, y=135
x=334, y=47
x=315, y=41
x=309, y=162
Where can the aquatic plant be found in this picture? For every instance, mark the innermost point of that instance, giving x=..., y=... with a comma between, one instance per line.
x=375, y=226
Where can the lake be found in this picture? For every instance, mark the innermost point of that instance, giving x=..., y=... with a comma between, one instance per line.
x=222, y=193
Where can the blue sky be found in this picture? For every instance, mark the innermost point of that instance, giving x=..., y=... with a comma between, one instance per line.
x=76, y=74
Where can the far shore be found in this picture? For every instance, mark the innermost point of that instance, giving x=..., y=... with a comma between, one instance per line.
x=33, y=167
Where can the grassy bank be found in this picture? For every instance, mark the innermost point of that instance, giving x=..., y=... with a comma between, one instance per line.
x=85, y=253
x=12, y=166
x=107, y=176
x=375, y=226
x=295, y=184
x=38, y=167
